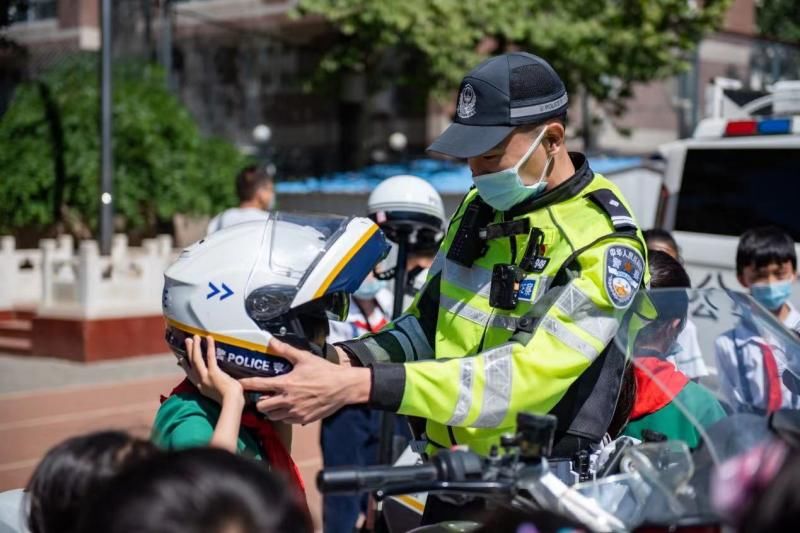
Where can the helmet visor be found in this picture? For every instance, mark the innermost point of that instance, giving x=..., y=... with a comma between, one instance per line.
x=290, y=245
x=297, y=240
x=309, y=257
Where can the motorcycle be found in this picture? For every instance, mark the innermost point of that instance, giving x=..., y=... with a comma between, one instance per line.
x=692, y=356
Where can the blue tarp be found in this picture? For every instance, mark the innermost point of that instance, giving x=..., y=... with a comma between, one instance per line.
x=446, y=176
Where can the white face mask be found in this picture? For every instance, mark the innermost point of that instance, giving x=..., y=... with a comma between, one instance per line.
x=504, y=189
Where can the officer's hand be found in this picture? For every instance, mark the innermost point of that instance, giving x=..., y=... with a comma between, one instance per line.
x=314, y=389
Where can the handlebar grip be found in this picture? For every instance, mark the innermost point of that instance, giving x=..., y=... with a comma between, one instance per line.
x=349, y=480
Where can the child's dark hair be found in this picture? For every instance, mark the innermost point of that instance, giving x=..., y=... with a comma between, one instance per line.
x=197, y=490
x=759, y=247
x=249, y=180
x=73, y=471
x=660, y=235
x=666, y=271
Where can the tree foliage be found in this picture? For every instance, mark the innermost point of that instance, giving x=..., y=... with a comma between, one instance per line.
x=603, y=45
x=49, y=152
x=779, y=19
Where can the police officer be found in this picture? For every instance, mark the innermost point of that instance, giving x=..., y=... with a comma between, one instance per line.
x=539, y=263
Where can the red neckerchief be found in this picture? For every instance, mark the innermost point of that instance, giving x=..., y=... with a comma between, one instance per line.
x=366, y=326
x=772, y=378
x=651, y=396
x=267, y=437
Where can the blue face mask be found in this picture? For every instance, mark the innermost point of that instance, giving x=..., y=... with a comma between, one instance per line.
x=504, y=189
x=369, y=289
x=772, y=295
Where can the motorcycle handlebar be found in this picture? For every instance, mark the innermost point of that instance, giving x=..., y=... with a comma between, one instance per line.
x=373, y=478
x=449, y=465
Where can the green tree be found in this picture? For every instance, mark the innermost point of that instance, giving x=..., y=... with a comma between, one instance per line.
x=606, y=46
x=779, y=19
x=49, y=153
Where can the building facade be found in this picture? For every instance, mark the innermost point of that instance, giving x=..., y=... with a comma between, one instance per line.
x=238, y=64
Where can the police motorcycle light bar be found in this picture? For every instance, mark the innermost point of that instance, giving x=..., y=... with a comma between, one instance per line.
x=252, y=281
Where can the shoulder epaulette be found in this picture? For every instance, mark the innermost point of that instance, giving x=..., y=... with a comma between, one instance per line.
x=611, y=205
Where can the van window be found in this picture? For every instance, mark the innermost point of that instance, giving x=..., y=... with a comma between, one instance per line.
x=727, y=192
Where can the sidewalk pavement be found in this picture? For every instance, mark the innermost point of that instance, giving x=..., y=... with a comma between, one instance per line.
x=44, y=401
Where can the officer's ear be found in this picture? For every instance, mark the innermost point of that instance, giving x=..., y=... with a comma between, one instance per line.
x=554, y=138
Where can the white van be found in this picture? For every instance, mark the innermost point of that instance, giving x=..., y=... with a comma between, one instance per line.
x=732, y=175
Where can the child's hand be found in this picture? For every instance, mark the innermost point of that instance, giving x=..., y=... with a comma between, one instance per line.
x=206, y=375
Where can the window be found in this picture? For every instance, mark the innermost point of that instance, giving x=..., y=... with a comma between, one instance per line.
x=30, y=10
x=727, y=192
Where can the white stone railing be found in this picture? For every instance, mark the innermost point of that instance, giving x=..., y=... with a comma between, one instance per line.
x=53, y=280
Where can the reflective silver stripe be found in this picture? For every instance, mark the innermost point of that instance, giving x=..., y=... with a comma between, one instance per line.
x=599, y=325
x=405, y=344
x=497, y=387
x=560, y=331
x=586, y=314
x=528, y=110
x=467, y=369
x=476, y=280
x=438, y=264
x=504, y=321
x=463, y=310
x=409, y=325
x=571, y=300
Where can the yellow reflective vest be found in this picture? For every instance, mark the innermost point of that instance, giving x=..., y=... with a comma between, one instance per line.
x=468, y=368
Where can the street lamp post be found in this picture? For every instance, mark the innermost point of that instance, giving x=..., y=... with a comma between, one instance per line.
x=166, y=42
x=106, y=154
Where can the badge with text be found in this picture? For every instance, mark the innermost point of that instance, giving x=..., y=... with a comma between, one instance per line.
x=526, y=289
x=539, y=264
x=624, y=272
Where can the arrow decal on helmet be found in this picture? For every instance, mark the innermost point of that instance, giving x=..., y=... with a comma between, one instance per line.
x=215, y=290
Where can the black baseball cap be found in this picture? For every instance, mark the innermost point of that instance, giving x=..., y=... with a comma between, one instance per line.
x=500, y=94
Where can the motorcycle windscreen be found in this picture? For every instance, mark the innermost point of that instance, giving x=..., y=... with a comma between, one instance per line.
x=708, y=368
x=649, y=489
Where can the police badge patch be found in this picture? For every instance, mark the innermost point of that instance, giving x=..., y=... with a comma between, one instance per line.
x=624, y=272
x=466, y=102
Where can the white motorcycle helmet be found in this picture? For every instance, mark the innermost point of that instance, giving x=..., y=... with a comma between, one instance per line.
x=283, y=277
x=408, y=203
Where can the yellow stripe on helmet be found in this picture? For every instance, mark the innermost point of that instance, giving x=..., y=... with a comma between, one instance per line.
x=221, y=338
x=335, y=272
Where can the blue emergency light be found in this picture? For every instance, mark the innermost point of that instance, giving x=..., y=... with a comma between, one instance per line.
x=767, y=126
x=775, y=126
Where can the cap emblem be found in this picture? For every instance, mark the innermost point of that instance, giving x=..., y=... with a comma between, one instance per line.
x=466, y=102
